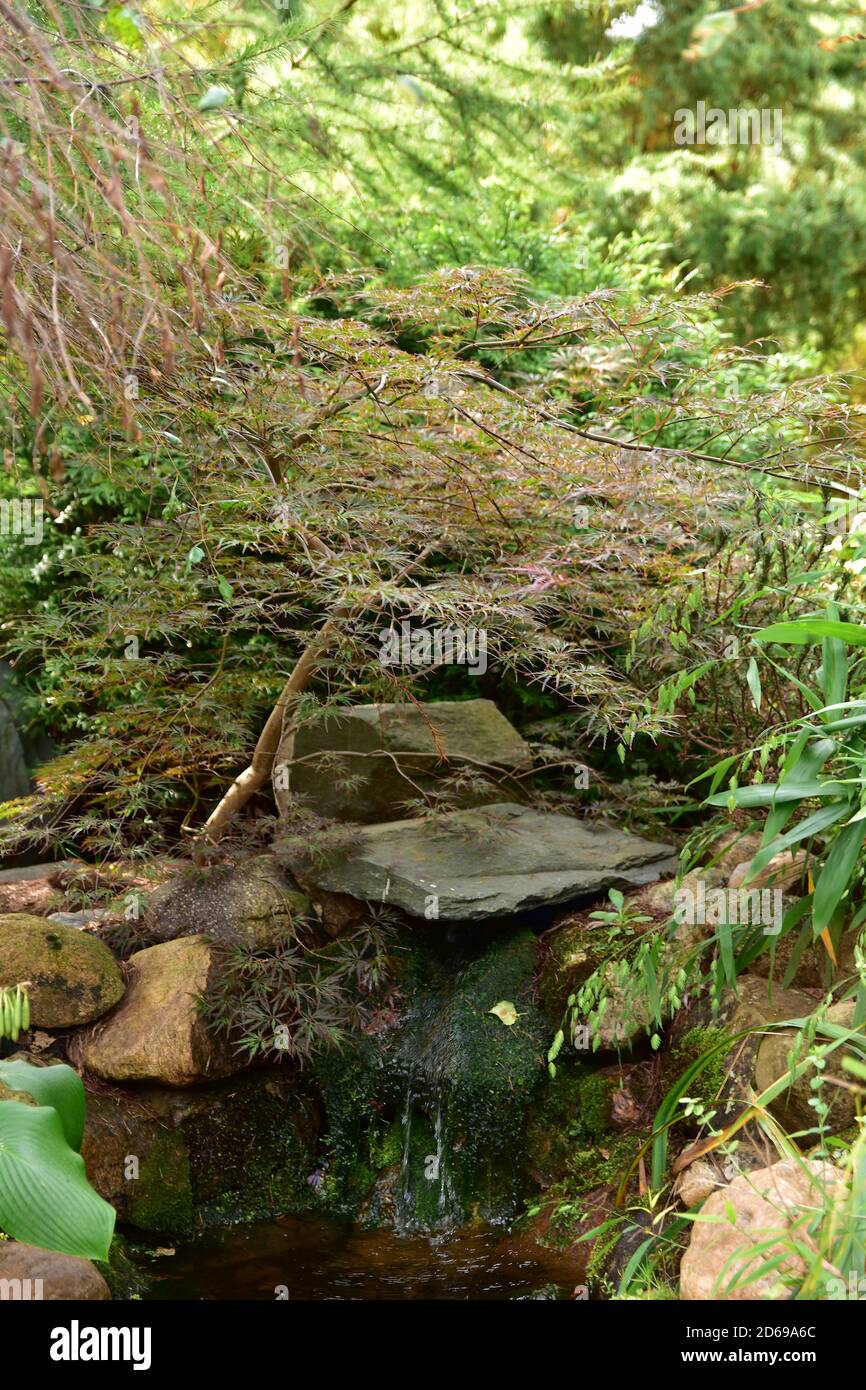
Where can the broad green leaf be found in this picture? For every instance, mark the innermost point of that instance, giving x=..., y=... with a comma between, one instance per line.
x=773, y=793
x=834, y=664
x=836, y=874
x=505, y=1011
x=58, y=1086
x=45, y=1198
x=804, y=761
x=806, y=632
x=811, y=825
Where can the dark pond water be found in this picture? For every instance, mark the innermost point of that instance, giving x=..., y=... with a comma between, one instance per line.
x=314, y=1259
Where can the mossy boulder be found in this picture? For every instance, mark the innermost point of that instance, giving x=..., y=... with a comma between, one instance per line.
x=137, y=1162
x=570, y=1111
x=573, y=954
x=254, y=904
x=74, y=978
x=157, y=1033
x=167, y=1160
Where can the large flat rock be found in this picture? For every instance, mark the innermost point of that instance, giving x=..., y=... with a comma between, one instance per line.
x=367, y=762
x=487, y=862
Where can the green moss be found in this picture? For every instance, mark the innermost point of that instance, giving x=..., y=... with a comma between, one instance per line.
x=570, y=1111
x=251, y=1158
x=161, y=1197
x=386, y=1146
x=123, y=1276
x=594, y=1167
x=568, y=960
x=349, y=1079
x=492, y=1071
x=696, y=1043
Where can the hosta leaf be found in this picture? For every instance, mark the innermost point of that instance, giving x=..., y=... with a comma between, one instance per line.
x=58, y=1086
x=45, y=1198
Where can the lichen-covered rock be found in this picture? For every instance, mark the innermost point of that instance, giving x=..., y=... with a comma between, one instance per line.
x=27, y=1272
x=768, y=1205
x=166, y=1159
x=157, y=1033
x=253, y=904
x=477, y=864
x=365, y=763
x=73, y=977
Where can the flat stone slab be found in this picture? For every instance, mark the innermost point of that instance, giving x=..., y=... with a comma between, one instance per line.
x=487, y=862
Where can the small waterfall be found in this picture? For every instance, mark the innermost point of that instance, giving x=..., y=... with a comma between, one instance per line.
x=449, y=1206
x=427, y=1198
x=405, y=1205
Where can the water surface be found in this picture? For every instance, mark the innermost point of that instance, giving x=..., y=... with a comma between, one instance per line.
x=318, y=1259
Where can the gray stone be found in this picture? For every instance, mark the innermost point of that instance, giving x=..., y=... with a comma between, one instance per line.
x=87, y=917
x=366, y=763
x=253, y=904
x=489, y=862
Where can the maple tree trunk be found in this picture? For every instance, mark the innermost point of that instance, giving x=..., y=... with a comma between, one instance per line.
x=254, y=777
